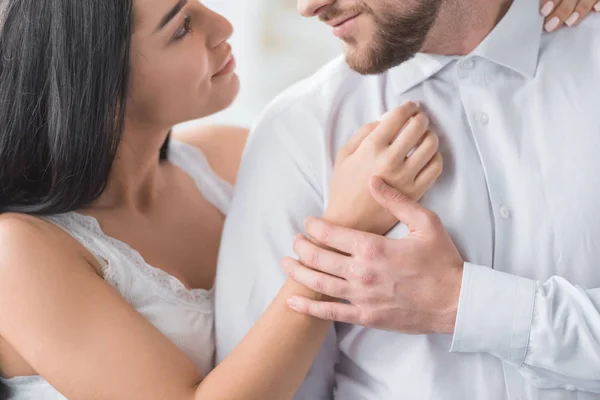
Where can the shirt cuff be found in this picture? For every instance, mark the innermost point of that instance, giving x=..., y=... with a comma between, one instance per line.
x=495, y=313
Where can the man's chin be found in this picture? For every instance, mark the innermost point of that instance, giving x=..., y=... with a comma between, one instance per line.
x=363, y=64
x=366, y=63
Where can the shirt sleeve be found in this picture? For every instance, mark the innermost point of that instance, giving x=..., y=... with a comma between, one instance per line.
x=549, y=331
x=276, y=190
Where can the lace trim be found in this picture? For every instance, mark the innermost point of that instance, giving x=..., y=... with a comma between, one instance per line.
x=167, y=283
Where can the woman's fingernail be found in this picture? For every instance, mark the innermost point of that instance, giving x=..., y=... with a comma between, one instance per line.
x=572, y=19
x=597, y=6
x=552, y=24
x=293, y=303
x=548, y=8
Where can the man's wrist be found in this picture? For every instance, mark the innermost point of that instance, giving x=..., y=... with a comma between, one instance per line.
x=446, y=322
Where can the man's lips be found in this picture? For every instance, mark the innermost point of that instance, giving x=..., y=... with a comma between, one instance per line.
x=342, y=26
x=334, y=23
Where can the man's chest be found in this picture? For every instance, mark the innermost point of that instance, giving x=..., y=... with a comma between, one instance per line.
x=520, y=187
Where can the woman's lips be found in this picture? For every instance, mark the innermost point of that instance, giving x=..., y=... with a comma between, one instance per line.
x=228, y=67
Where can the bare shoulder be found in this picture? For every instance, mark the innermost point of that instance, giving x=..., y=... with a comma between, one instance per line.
x=222, y=145
x=19, y=232
x=27, y=240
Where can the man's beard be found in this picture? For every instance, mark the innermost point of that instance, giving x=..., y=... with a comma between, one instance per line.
x=397, y=38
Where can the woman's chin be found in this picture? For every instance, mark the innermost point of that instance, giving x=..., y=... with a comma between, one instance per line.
x=225, y=97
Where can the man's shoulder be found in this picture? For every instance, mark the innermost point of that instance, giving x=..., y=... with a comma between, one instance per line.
x=584, y=38
x=591, y=22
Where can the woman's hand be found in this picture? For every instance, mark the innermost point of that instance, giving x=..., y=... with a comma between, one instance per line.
x=569, y=12
x=400, y=149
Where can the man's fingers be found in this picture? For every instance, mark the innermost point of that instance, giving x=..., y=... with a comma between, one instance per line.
x=408, y=211
x=318, y=258
x=319, y=282
x=342, y=239
x=328, y=311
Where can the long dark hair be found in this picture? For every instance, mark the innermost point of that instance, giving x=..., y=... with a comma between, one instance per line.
x=64, y=70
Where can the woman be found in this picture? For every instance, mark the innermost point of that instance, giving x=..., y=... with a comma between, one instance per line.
x=90, y=91
x=88, y=173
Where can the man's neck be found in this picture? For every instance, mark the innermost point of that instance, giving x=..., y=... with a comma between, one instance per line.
x=463, y=25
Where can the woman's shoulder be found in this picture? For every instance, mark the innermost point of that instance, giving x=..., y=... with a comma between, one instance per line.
x=25, y=238
x=222, y=146
x=17, y=230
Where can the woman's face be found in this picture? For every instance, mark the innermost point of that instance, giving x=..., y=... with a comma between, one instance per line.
x=181, y=63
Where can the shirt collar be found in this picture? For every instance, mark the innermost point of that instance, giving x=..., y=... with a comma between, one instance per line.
x=514, y=43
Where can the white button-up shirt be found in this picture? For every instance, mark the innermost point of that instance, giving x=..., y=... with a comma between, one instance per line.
x=519, y=120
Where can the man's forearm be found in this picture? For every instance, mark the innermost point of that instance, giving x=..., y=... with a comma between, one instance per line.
x=549, y=330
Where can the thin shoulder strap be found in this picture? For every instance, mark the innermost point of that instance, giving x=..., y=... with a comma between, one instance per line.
x=192, y=161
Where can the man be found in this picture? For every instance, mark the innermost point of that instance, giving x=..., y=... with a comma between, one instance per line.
x=507, y=309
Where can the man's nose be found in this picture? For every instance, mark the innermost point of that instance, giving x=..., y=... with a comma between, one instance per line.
x=310, y=8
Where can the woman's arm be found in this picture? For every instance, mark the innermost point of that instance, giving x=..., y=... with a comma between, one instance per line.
x=86, y=341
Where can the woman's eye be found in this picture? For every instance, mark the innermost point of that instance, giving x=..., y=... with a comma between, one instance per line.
x=185, y=28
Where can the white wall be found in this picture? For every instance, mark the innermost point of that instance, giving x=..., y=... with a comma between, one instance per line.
x=274, y=47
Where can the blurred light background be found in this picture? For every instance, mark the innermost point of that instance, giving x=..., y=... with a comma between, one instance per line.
x=274, y=47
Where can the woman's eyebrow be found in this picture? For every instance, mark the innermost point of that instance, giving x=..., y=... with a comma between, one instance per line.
x=171, y=14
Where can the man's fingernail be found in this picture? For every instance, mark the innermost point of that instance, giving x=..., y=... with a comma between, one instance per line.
x=552, y=24
x=597, y=6
x=293, y=303
x=548, y=8
x=572, y=19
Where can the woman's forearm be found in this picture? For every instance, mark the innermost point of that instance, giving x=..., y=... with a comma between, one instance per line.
x=274, y=357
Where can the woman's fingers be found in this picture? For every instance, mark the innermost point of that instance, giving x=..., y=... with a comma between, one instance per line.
x=568, y=12
x=430, y=173
x=392, y=123
x=409, y=138
x=563, y=9
x=356, y=140
x=423, y=153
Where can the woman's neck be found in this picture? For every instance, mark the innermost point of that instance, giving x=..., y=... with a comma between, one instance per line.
x=135, y=180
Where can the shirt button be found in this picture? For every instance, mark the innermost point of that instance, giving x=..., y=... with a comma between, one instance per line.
x=468, y=64
x=505, y=212
x=482, y=118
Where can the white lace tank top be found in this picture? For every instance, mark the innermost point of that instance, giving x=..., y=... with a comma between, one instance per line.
x=184, y=316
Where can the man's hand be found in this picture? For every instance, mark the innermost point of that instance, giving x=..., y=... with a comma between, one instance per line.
x=409, y=285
